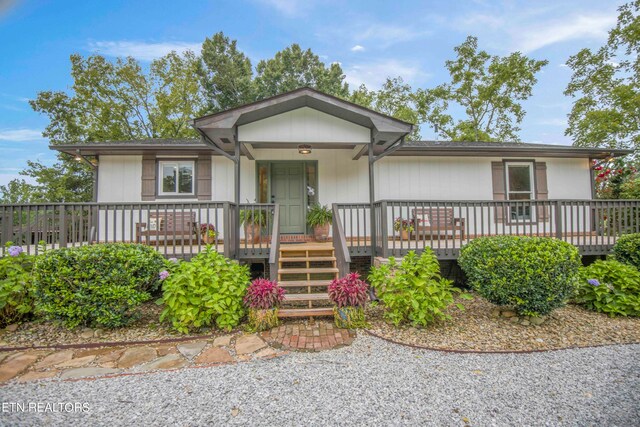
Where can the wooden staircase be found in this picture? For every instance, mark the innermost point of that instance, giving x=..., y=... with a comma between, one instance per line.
x=305, y=271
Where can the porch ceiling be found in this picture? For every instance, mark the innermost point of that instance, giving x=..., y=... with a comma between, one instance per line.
x=220, y=128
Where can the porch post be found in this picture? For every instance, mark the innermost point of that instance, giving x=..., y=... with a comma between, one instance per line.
x=372, y=197
x=236, y=159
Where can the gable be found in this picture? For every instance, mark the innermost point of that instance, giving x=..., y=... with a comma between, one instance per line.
x=304, y=125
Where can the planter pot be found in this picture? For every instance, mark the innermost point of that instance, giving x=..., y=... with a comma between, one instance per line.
x=252, y=233
x=208, y=240
x=263, y=320
x=349, y=317
x=404, y=234
x=321, y=233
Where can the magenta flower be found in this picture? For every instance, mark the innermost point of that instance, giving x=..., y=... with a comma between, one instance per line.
x=163, y=274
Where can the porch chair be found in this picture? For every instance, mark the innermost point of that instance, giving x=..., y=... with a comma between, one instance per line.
x=437, y=221
x=168, y=226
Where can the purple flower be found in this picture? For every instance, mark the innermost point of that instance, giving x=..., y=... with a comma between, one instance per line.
x=593, y=282
x=163, y=274
x=15, y=250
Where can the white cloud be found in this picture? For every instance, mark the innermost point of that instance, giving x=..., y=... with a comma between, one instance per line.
x=374, y=74
x=357, y=48
x=554, y=121
x=144, y=51
x=529, y=39
x=20, y=135
x=287, y=7
x=387, y=35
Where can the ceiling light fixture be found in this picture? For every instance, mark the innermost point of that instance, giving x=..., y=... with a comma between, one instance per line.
x=304, y=149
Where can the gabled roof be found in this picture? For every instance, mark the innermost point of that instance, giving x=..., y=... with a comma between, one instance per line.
x=220, y=127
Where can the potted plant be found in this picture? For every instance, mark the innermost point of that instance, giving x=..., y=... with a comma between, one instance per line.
x=404, y=226
x=319, y=218
x=253, y=221
x=208, y=233
x=263, y=299
x=349, y=294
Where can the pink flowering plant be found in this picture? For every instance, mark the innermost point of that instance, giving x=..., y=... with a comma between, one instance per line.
x=349, y=294
x=403, y=224
x=263, y=298
x=208, y=230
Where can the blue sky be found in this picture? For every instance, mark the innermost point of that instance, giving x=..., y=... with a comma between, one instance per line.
x=370, y=39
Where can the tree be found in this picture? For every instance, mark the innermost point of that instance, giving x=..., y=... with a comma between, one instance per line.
x=227, y=74
x=110, y=101
x=292, y=68
x=394, y=98
x=606, y=84
x=488, y=88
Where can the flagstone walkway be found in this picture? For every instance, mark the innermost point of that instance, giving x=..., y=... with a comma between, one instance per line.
x=78, y=362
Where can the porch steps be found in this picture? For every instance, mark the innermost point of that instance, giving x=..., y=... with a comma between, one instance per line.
x=306, y=270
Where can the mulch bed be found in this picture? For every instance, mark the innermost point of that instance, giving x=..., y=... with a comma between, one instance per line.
x=476, y=330
x=147, y=328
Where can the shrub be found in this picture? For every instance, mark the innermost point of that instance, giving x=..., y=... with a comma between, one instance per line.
x=413, y=290
x=627, y=249
x=16, y=299
x=349, y=294
x=263, y=299
x=610, y=287
x=534, y=275
x=99, y=284
x=208, y=289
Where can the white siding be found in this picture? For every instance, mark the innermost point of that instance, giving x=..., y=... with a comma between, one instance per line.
x=120, y=179
x=568, y=178
x=304, y=125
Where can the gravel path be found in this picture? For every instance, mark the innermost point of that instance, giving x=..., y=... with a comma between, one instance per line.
x=371, y=382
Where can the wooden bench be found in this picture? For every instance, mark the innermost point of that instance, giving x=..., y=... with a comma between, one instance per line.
x=168, y=226
x=437, y=221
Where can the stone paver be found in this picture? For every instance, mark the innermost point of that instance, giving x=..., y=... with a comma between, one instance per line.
x=169, y=361
x=136, y=356
x=317, y=336
x=191, y=349
x=33, y=365
x=214, y=355
x=247, y=344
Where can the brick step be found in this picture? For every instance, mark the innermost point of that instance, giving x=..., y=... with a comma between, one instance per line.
x=303, y=283
x=307, y=270
x=305, y=312
x=306, y=297
x=305, y=259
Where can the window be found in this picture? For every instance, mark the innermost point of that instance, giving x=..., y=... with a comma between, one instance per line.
x=519, y=188
x=176, y=178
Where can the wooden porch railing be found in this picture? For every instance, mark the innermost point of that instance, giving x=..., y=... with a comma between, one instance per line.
x=274, y=253
x=343, y=257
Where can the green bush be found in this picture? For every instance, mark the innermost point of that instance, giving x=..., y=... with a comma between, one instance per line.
x=413, y=291
x=610, y=287
x=627, y=249
x=533, y=275
x=99, y=284
x=208, y=289
x=16, y=299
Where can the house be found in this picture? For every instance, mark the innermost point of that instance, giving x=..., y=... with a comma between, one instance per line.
x=281, y=155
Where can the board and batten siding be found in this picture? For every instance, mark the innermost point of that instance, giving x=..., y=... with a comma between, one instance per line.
x=119, y=178
x=304, y=125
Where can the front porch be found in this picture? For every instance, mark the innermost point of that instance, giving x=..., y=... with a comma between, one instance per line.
x=591, y=225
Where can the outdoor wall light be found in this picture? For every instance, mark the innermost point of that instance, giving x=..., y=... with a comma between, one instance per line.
x=304, y=149
x=78, y=158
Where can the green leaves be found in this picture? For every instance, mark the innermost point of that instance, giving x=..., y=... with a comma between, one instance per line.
x=413, y=291
x=614, y=288
x=16, y=296
x=488, y=88
x=606, y=84
x=208, y=289
x=534, y=275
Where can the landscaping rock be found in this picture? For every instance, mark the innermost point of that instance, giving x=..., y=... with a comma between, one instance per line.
x=249, y=344
x=508, y=313
x=170, y=361
x=109, y=358
x=266, y=352
x=495, y=313
x=537, y=320
x=192, y=349
x=54, y=359
x=14, y=366
x=135, y=356
x=214, y=355
x=37, y=375
x=12, y=328
x=87, y=372
x=86, y=333
x=95, y=351
x=525, y=322
x=165, y=349
x=223, y=341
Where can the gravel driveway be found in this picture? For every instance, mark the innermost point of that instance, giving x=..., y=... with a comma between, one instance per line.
x=371, y=382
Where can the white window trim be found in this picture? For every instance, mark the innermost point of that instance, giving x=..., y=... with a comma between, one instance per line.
x=177, y=163
x=531, y=178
